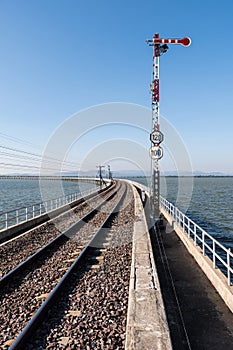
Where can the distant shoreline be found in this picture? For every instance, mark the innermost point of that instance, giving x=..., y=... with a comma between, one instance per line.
x=214, y=176
x=116, y=176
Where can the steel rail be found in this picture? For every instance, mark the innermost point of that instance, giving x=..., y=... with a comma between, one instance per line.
x=24, y=336
x=65, y=235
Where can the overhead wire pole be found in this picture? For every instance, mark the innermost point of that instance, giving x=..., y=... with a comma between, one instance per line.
x=156, y=136
x=100, y=173
x=109, y=172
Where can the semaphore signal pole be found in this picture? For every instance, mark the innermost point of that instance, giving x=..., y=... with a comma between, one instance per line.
x=156, y=136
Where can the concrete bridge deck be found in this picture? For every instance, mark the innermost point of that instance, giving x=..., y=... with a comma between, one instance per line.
x=50, y=178
x=197, y=316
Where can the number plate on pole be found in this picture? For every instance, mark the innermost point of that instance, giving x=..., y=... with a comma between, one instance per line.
x=156, y=137
x=156, y=152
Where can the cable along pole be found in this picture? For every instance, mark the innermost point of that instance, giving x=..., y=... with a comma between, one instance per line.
x=100, y=167
x=156, y=137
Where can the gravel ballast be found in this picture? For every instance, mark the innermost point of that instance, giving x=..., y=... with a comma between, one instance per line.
x=20, y=299
x=92, y=313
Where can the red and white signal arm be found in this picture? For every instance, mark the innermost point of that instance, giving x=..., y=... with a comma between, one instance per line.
x=186, y=41
x=156, y=152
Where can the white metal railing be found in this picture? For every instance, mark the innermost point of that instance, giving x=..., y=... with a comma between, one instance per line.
x=14, y=217
x=220, y=255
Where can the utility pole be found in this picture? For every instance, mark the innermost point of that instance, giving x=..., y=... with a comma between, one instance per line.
x=109, y=173
x=100, y=167
x=156, y=136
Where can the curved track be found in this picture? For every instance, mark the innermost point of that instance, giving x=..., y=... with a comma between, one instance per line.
x=26, y=287
x=22, y=228
x=15, y=251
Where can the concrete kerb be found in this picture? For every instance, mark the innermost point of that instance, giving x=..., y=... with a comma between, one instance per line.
x=147, y=326
x=218, y=280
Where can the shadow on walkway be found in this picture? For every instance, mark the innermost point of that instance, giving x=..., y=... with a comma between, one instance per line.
x=197, y=316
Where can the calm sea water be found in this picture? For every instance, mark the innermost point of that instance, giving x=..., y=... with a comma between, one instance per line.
x=206, y=200
x=15, y=194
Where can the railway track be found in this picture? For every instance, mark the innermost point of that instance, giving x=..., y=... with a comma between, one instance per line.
x=29, y=290
x=24, y=227
x=16, y=250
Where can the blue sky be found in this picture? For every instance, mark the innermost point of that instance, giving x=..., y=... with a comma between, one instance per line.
x=59, y=57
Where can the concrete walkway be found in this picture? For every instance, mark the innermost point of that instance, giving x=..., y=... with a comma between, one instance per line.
x=147, y=327
x=197, y=316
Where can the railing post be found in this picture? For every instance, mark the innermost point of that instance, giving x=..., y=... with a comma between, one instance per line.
x=33, y=211
x=40, y=209
x=26, y=214
x=203, y=242
x=214, y=257
x=195, y=233
x=188, y=227
x=228, y=266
